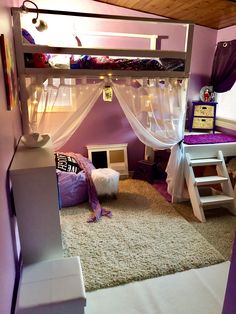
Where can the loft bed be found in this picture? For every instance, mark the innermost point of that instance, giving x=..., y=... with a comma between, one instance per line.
x=120, y=61
x=122, y=52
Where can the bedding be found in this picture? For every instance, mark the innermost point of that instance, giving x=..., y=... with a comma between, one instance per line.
x=137, y=64
x=62, y=61
x=105, y=62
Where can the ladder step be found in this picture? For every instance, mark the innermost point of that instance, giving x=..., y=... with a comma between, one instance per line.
x=205, y=162
x=209, y=180
x=215, y=199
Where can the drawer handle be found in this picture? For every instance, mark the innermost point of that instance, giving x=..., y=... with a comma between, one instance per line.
x=204, y=107
x=203, y=120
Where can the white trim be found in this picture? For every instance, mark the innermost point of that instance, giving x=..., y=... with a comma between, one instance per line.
x=186, y=37
x=151, y=37
x=226, y=124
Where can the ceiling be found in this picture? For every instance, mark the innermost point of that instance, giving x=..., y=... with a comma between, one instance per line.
x=215, y=14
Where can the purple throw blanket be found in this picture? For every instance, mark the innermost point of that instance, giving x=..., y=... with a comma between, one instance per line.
x=87, y=166
x=208, y=138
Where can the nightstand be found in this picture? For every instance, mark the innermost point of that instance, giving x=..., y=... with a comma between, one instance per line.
x=202, y=116
x=146, y=170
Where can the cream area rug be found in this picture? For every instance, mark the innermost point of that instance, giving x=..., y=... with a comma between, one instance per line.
x=219, y=228
x=145, y=238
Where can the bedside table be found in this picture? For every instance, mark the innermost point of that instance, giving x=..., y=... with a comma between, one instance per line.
x=146, y=170
x=202, y=116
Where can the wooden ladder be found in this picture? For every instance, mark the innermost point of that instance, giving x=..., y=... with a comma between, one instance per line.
x=224, y=198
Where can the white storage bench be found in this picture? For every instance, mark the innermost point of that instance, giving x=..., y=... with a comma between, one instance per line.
x=52, y=287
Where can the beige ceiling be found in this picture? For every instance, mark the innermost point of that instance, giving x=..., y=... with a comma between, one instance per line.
x=215, y=14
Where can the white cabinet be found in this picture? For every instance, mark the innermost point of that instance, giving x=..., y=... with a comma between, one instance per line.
x=34, y=184
x=112, y=156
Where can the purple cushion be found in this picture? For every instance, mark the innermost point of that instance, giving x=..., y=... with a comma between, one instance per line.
x=208, y=138
x=72, y=188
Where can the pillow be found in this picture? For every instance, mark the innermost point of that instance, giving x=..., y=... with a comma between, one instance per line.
x=72, y=187
x=66, y=163
x=27, y=38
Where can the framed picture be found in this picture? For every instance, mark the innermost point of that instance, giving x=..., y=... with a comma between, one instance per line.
x=9, y=72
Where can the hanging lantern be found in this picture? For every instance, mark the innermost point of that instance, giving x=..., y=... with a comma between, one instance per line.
x=107, y=93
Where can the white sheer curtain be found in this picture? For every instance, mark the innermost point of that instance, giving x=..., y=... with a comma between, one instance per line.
x=154, y=108
x=156, y=111
x=58, y=106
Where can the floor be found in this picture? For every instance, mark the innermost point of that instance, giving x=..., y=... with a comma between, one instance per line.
x=161, y=187
x=199, y=291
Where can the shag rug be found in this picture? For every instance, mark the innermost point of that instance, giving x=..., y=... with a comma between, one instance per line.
x=219, y=228
x=145, y=238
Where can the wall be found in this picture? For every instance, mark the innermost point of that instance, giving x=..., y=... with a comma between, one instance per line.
x=226, y=34
x=106, y=124
x=204, y=43
x=10, y=130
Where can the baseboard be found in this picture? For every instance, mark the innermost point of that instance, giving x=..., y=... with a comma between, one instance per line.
x=18, y=269
x=227, y=124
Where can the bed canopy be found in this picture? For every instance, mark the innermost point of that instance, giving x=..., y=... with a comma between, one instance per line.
x=56, y=100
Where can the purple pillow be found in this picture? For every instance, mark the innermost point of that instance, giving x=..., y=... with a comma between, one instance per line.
x=72, y=188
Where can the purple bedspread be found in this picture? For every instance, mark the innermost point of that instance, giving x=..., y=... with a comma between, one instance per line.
x=208, y=138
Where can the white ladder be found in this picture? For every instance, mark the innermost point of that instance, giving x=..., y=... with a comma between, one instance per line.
x=225, y=197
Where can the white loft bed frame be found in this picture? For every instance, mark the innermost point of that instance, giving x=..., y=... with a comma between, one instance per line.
x=152, y=53
x=206, y=150
x=41, y=73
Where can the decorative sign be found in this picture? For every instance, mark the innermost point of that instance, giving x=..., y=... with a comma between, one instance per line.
x=9, y=73
x=107, y=93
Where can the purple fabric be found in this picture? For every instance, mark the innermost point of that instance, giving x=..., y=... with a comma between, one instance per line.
x=94, y=203
x=229, y=306
x=73, y=188
x=208, y=138
x=161, y=187
x=224, y=66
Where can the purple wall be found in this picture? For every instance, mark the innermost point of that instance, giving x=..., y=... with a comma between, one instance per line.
x=106, y=124
x=204, y=43
x=10, y=130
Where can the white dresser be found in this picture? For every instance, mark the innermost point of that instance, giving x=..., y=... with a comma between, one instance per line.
x=34, y=184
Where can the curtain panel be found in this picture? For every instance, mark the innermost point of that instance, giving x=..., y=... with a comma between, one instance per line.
x=155, y=109
x=224, y=67
x=58, y=106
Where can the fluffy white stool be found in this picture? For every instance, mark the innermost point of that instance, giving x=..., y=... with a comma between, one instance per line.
x=52, y=287
x=106, y=181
